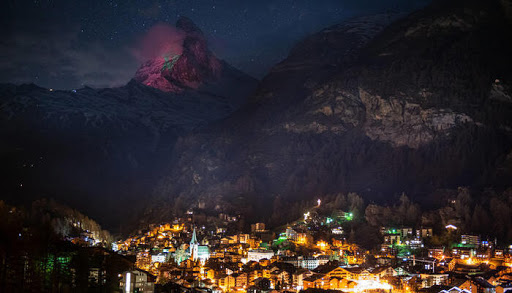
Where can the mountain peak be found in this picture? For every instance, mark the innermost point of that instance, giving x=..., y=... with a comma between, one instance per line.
x=188, y=26
x=195, y=66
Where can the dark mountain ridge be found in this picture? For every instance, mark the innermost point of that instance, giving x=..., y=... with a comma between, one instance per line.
x=416, y=106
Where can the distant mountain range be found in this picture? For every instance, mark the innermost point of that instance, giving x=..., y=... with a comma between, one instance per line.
x=375, y=105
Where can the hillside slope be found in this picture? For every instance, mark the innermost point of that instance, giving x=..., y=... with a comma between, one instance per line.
x=420, y=104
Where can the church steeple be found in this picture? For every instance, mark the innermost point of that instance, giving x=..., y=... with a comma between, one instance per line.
x=194, y=246
x=198, y=252
x=194, y=237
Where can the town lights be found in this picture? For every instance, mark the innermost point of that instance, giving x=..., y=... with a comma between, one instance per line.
x=322, y=245
x=364, y=285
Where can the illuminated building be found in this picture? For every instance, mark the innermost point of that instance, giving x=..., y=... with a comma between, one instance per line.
x=337, y=231
x=143, y=260
x=291, y=234
x=416, y=243
x=258, y=227
x=429, y=280
x=241, y=280
x=320, y=281
x=424, y=233
x=436, y=252
x=498, y=253
x=322, y=245
x=198, y=252
x=259, y=254
x=227, y=282
x=391, y=239
x=161, y=258
x=309, y=263
x=137, y=281
x=478, y=285
x=470, y=240
x=462, y=252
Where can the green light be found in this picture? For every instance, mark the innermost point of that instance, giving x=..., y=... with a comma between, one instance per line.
x=169, y=64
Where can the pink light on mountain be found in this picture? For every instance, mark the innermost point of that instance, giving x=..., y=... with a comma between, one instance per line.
x=176, y=58
x=161, y=40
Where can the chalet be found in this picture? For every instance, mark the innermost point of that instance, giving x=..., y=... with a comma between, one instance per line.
x=241, y=280
x=341, y=273
x=319, y=281
x=383, y=272
x=227, y=282
x=262, y=284
x=281, y=278
x=299, y=276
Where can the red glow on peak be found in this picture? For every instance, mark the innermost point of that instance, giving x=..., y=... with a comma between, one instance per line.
x=161, y=40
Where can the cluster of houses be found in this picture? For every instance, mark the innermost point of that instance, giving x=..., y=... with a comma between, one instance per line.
x=195, y=257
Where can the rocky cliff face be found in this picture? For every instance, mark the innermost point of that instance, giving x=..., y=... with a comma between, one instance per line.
x=107, y=146
x=420, y=104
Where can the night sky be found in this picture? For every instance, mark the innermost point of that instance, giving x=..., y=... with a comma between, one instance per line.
x=70, y=43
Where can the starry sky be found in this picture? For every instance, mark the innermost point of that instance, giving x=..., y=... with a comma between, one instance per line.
x=67, y=44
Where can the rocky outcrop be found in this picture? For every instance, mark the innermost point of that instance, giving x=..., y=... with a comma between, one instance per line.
x=393, y=120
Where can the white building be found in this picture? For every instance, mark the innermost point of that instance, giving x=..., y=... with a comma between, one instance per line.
x=161, y=258
x=137, y=281
x=259, y=254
